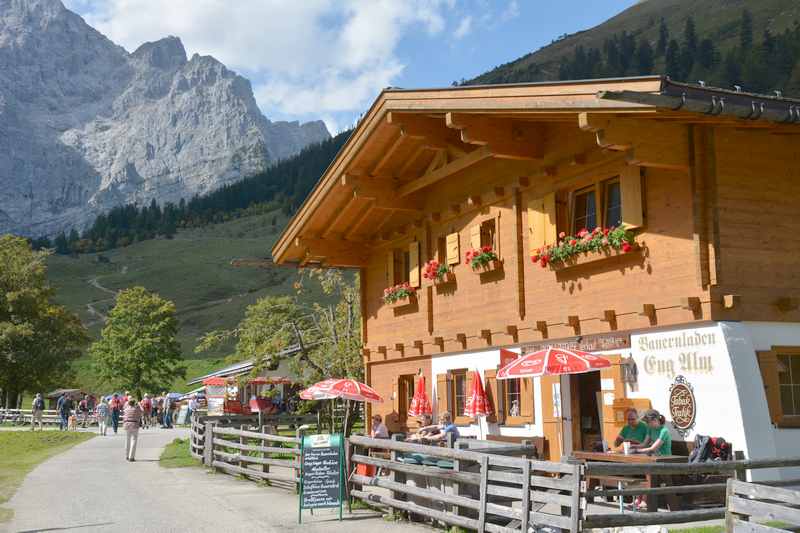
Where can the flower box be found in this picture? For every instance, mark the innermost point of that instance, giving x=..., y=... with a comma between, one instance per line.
x=492, y=266
x=586, y=258
x=411, y=299
x=445, y=279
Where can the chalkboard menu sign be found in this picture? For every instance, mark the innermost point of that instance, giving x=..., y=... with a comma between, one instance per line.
x=322, y=472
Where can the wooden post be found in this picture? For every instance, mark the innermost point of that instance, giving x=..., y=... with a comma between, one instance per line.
x=265, y=455
x=457, y=464
x=208, y=445
x=395, y=476
x=242, y=441
x=484, y=497
x=526, y=495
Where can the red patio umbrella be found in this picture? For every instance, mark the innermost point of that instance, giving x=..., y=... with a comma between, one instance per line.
x=477, y=403
x=348, y=389
x=420, y=404
x=552, y=361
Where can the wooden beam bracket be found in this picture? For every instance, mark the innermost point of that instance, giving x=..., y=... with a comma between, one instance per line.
x=400, y=347
x=649, y=310
x=693, y=304
x=574, y=322
x=439, y=341
x=486, y=334
x=382, y=350
x=513, y=331
x=419, y=346
x=541, y=325
x=610, y=316
x=462, y=338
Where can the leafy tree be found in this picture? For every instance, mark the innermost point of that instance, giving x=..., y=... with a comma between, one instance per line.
x=38, y=338
x=328, y=337
x=663, y=38
x=137, y=349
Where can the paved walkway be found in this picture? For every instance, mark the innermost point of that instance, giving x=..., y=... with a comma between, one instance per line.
x=91, y=488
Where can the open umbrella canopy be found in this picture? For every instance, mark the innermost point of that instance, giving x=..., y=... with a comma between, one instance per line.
x=552, y=361
x=477, y=403
x=348, y=389
x=420, y=404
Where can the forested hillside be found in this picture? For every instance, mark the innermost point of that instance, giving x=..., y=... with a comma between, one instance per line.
x=754, y=44
x=282, y=187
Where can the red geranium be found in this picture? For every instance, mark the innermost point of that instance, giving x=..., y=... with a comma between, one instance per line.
x=626, y=247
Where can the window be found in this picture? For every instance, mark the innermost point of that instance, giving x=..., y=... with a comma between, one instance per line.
x=789, y=383
x=513, y=398
x=401, y=266
x=441, y=250
x=488, y=233
x=780, y=372
x=405, y=393
x=612, y=200
x=459, y=392
x=584, y=210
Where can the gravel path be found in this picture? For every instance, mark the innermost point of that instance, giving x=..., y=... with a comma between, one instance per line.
x=91, y=488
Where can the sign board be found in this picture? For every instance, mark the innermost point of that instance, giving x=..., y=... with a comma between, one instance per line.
x=321, y=472
x=587, y=343
x=182, y=414
x=216, y=406
x=682, y=405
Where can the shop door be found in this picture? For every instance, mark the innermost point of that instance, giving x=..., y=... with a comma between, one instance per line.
x=585, y=390
x=405, y=392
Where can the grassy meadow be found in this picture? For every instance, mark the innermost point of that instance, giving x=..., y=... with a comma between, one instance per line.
x=193, y=270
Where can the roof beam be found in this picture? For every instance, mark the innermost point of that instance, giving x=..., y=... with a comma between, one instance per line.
x=381, y=192
x=508, y=139
x=387, y=155
x=429, y=131
x=440, y=173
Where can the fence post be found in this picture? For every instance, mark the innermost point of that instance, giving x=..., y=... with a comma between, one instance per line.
x=483, y=495
x=242, y=441
x=397, y=477
x=457, y=465
x=526, y=495
x=208, y=445
x=575, y=511
x=264, y=455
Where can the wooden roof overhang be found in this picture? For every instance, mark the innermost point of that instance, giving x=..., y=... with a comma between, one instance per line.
x=410, y=140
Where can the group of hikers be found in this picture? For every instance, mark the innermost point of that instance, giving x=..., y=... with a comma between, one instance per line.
x=111, y=411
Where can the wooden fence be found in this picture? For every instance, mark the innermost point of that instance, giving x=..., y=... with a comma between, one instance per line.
x=670, y=480
x=482, y=491
x=23, y=417
x=745, y=501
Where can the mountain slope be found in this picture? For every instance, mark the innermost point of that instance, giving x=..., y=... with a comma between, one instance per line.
x=85, y=126
x=718, y=21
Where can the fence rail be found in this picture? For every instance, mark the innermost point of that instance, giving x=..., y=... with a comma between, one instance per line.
x=745, y=501
x=22, y=417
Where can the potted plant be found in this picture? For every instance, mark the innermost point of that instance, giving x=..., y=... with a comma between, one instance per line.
x=399, y=295
x=585, y=246
x=483, y=259
x=438, y=273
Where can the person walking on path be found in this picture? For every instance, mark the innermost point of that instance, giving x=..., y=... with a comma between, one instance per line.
x=83, y=408
x=64, y=407
x=147, y=406
x=167, y=412
x=102, y=411
x=131, y=420
x=116, y=410
x=37, y=408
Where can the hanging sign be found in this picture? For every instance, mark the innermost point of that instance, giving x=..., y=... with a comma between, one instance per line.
x=321, y=472
x=586, y=343
x=682, y=405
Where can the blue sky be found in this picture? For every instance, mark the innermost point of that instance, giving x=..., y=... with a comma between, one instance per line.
x=328, y=59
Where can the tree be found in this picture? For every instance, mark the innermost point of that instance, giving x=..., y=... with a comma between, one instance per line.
x=644, y=58
x=746, y=31
x=707, y=54
x=137, y=349
x=327, y=338
x=690, y=36
x=38, y=338
x=673, y=60
x=663, y=38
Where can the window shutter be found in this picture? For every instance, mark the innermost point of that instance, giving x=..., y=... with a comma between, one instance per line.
x=496, y=243
x=526, y=399
x=493, y=395
x=542, y=221
x=475, y=237
x=453, y=252
x=442, y=398
x=395, y=395
x=390, y=268
x=413, y=264
x=768, y=363
x=630, y=185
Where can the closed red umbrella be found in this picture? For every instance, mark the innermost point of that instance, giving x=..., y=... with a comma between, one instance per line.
x=552, y=361
x=477, y=403
x=348, y=389
x=420, y=404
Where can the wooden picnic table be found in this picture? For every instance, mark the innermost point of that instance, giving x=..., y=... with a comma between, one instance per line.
x=650, y=480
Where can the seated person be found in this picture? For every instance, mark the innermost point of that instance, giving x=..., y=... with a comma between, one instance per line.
x=446, y=427
x=379, y=430
x=635, y=431
x=658, y=441
x=426, y=429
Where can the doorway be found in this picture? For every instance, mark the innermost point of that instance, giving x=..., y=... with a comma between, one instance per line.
x=405, y=393
x=584, y=394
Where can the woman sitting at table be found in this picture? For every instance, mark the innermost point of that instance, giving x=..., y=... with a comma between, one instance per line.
x=426, y=430
x=635, y=431
x=658, y=441
x=446, y=427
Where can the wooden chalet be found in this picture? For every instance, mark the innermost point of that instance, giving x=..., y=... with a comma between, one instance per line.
x=708, y=297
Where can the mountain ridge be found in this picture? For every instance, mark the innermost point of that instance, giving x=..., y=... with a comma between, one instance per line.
x=86, y=126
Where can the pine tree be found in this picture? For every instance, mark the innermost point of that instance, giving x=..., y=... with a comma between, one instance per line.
x=690, y=36
x=663, y=38
x=746, y=31
x=644, y=58
x=673, y=60
x=61, y=244
x=707, y=54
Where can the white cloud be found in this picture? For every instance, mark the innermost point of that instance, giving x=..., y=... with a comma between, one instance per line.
x=308, y=57
x=464, y=27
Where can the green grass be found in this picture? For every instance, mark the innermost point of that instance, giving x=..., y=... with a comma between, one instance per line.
x=721, y=529
x=22, y=451
x=193, y=270
x=176, y=455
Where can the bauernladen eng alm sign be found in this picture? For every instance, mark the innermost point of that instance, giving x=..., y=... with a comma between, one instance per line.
x=682, y=405
x=321, y=472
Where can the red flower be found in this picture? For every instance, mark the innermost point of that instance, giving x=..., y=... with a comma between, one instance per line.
x=486, y=249
x=573, y=242
x=626, y=247
x=598, y=229
x=543, y=261
x=605, y=231
x=562, y=235
x=535, y=258
x=583, y=232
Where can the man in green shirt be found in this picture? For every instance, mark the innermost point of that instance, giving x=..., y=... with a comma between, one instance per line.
x=635, y=431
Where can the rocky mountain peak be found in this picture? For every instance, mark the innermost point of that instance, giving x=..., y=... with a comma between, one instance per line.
x=86, y=126
x=167, y=53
